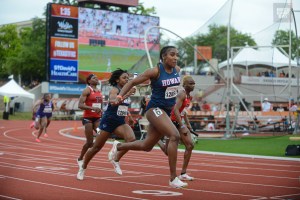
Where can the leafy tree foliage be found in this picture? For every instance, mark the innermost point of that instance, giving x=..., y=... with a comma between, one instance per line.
x=10, y=45
x=282, y=38
x=25, y=53
x=217, y=39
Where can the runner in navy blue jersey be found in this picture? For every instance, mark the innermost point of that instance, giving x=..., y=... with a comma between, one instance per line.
x=113, y=121
x=165, y=81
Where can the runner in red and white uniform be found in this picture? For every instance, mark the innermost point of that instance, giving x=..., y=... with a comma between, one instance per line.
x=91, y=102
x=178, y=112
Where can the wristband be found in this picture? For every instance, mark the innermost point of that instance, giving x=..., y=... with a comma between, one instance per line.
x=119, y=96
x=183, y=126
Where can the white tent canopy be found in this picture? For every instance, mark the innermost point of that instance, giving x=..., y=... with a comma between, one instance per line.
x=264, y=56
x=12, y=89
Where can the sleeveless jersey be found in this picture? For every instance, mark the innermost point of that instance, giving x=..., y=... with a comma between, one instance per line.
x=164, y=90
x=119, y=112
x=94, y=100
x=45, y=108
x=186, y=103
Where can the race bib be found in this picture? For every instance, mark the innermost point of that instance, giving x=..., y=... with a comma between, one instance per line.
x=158, y=112
x=47, y=110
x=122, y=110
x=171, y=92
x=96, y=105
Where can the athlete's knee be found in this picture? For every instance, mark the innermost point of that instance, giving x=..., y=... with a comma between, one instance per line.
x=189, y=147
x=130, y=139
x=174, y=137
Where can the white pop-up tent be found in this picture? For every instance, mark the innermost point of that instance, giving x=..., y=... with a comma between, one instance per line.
x=12, y=89
x=264, y=56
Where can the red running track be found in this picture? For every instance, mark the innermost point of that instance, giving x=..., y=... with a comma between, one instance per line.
x=47, y=170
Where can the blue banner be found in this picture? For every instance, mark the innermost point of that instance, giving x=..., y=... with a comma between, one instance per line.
x=66, y=88
x=63, y=70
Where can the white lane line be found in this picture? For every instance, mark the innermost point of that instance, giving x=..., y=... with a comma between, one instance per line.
x=7, y=197
x=73, y=188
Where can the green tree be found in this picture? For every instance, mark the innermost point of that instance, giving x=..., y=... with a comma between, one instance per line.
x=141, y=10
x=282, y=38
x=10, y=45
x=29, y=59
x=217, y=39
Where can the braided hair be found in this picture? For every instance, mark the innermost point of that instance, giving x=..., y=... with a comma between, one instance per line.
x=115, y=75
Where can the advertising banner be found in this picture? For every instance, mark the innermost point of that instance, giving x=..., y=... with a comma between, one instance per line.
x=64, y=11
x=64, y=27
x=66, y=88
x=62, y=48
x=63, y=70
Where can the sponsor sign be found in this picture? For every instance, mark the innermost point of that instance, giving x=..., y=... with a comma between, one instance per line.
x=64, y=27
x=267, y=80
x=64, y=11
x=63, y=70
x=206, y=52
x=66, y=88
x=62, y=48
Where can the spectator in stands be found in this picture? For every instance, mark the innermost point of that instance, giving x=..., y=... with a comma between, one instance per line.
x=272, y=74
x=206, y=106
x=90, y=101
x=282, y=74
x=195, y=106
x=293, y=108
x=230, y=105
x=198, y=96
x=266, y=106
x=280, y=108
x=242, y=107
x=113, y=121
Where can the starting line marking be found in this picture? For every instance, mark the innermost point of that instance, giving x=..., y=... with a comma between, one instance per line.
x=157, y=192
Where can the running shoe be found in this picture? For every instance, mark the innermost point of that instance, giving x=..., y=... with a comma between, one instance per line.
x=80, y=174
x=176, y=183
x=117, y=167
x=80, y=163
x=185, y=177
x=32, y=125
x=37, y=140
x=113, y=152
x=45, y=135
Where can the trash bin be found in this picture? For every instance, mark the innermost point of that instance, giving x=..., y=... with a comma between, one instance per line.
x=5, y=115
